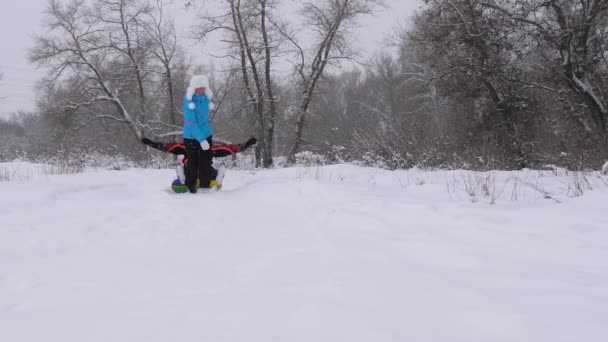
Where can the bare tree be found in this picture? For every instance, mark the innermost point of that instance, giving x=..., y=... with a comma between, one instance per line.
x=249, y=32
x=576, y=31
x=476, y=53
x=75, y=42
x=123, y=22
x=164, y=47
x=252, y=80
x=331, y=20
x=265, y=6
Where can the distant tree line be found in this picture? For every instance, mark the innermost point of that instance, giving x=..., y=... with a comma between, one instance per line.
x=489, y=84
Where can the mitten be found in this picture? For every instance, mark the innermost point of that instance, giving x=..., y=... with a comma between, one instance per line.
x=205, y=145
x=250, y=143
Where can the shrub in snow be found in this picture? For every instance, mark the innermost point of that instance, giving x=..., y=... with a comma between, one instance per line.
x=374, y=160
x=308, y=158
x=244, y=161
x=338, y=155
x=280, y=161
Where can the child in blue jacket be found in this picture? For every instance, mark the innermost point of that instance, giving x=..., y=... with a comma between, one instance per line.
x=198, y=134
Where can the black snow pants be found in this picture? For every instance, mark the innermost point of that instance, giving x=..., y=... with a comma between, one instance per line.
x=199, y=163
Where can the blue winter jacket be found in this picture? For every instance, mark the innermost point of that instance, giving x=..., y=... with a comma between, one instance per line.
x=196, y=118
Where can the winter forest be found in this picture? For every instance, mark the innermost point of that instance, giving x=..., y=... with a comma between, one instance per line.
x=492, y=84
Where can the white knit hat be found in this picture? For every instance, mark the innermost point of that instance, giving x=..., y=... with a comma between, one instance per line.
x=198, y=81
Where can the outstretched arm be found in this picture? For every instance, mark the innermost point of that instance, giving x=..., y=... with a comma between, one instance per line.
x=218, y=151
x=174, y=148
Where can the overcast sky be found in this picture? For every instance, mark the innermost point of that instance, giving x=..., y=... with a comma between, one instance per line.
x=19, y=20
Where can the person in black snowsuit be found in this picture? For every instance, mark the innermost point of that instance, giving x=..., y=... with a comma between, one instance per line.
x=179, y=149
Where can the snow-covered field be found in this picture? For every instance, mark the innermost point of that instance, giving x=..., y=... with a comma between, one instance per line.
x=335, y=253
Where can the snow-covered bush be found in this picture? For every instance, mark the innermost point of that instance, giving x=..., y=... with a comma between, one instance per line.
x=373, y=160
x=338, y=155
x=578, y=184
x=243, y=161
x=308, y=158
x=280, y=161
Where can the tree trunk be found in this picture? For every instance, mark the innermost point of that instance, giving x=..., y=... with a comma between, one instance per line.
x=258, y=97
x=172, y=113
x=299, y=133
x=272, y=103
